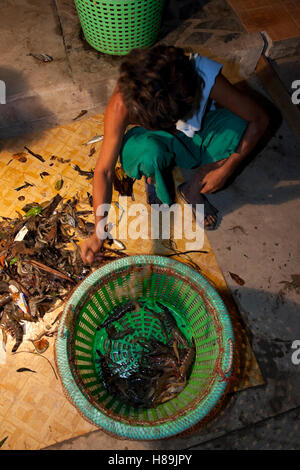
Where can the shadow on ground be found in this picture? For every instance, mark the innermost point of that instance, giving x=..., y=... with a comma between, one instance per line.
x=21, y=104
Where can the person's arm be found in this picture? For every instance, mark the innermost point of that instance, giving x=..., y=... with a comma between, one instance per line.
x=115, y=123
x=228, y=96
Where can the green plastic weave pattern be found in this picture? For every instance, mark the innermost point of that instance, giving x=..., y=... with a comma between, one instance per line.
x=199, y=312
x=117, y=26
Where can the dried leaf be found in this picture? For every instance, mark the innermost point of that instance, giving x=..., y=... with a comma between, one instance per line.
x=59, y=184
x=237, y=279
x=21, y=157
x=28, y=206
x=238, y=227
x=33, y=211
x=82, y=113
x=50, y=270
x=36, y=155
x=60, y=159
x=24, y=186
x=92, y=151
x=25, y=369
x=42, y=57
x=41, y=345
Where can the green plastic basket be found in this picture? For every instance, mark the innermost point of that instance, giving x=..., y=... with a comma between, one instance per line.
x=199, y=312
x=117, y=26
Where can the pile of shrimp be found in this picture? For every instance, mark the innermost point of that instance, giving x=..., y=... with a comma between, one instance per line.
x=40, y=260
x=163, y=368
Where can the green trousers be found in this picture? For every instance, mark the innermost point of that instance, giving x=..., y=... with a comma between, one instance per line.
x=151, y=153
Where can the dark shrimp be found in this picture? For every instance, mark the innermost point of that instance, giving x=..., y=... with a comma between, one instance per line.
x=163, y=360
x=114, y=334
x=160, y=319
x=187, y=361
x=118, y=312
x=171, y=322
x=107, y=377
x=11, y=326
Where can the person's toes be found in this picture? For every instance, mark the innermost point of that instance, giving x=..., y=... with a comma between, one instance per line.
x=209, y=220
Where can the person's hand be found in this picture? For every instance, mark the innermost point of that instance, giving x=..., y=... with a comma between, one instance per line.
x=214, y=180
x=89, y=248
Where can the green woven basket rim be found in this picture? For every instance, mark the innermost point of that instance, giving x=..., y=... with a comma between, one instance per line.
x=139, y=432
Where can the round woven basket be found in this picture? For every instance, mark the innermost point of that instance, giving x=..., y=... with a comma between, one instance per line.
x=200, y=314
x=117, y=26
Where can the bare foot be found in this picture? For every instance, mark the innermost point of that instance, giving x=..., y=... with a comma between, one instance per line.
x=192, y=196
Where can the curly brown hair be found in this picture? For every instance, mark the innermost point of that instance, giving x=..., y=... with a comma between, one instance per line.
x=159, y=86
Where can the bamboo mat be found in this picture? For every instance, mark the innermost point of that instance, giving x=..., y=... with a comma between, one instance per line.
x=34, y=412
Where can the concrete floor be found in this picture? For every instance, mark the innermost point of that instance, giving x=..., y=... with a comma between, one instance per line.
x=42, y=95
x=257, y=237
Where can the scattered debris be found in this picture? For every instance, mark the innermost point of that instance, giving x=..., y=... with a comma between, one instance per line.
x=82, y=113
x=93, y=140
x=186, y=252
x=40, y=262
x=88, y=174
x=24, y=186
x=41, y=345
x=42, y=57
x=55, y=272
x=237, y=279
x=21, y=157
x=25, y=369
x=32, y=210
x=294, y=284
x=3, y=441
x=238, y=227
x=90, y=199
x=92, y=151
x=36, y=155
x=60, y=159
x=59, y=184
x=39, y=355
x=21, y=198
x=43, y=174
